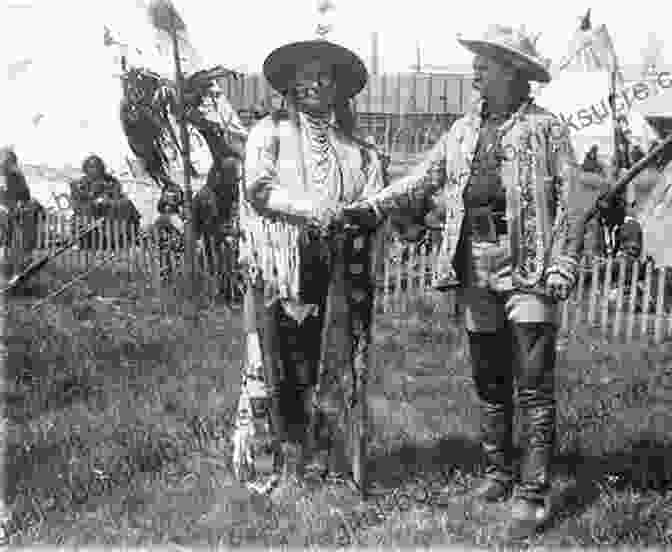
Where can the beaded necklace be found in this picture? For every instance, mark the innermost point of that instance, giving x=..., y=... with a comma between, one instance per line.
x=318, y=139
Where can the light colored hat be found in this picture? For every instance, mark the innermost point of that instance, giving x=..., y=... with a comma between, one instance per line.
x=280, y=66
x=513, y=46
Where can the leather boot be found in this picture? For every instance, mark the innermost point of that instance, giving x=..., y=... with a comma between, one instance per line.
x=536, y=401
x=497, y=431
x=494, y=385
x=531, y=510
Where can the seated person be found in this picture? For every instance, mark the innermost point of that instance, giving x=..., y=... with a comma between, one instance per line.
x=99, y=194
x=13, y=186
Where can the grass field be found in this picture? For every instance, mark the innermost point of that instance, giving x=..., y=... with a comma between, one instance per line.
x=119, y=425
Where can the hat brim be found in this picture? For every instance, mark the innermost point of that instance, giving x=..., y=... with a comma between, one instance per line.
x=535, y=70
x=350, y=72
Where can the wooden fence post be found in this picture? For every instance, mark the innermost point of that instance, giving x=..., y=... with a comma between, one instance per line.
x=4, y=376
x=622, y=272
x=646, y=301
x=632, y=303
x=660, y=304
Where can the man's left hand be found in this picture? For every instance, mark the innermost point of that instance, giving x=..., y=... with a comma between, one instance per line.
x=558, y=287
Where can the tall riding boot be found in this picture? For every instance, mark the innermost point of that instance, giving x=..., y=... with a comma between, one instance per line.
x=494, y=385
x=536, y=347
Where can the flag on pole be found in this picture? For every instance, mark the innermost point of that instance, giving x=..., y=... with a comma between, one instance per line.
x=592, y=49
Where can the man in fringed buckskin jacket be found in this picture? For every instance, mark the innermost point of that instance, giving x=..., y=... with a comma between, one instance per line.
x=511, y=240
x=309, y=296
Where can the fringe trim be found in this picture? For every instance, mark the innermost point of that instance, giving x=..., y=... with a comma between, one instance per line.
x=270, y=249
x=567, y=267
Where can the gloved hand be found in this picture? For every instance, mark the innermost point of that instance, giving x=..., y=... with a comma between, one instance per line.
x=557, y=286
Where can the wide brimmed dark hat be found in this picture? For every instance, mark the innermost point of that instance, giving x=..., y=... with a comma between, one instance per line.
x=281, y=65
x=513, y=46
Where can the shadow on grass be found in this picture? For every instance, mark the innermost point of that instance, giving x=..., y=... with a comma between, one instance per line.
x=440, y=458
x=644, y=467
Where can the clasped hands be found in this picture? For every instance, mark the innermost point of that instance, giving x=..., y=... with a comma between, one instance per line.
x=334, y=214
x=557, y=286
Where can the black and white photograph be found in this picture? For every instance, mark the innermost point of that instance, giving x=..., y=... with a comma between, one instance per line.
x=335, y=274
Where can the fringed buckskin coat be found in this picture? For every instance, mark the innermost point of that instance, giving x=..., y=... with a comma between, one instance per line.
x=275, y=201
x=538, y=172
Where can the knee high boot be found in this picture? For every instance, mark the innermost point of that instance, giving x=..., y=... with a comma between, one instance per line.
x=536, y=400
x=494, y=384
x=536, y=347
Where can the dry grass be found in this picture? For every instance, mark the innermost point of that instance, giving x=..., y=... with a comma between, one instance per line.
x=100, y=385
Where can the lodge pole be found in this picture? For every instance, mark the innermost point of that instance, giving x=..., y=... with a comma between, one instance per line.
x=189, y=246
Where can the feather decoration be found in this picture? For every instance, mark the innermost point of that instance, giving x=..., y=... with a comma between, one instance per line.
x=164, y=17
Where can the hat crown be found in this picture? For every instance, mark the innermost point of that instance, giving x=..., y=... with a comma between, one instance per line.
x=518, y=39
x=512, y=45
x=281, y=65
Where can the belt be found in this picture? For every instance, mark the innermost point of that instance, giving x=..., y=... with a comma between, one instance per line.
x=486, y=224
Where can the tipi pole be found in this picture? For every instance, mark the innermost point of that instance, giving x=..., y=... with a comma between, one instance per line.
x=189, y=246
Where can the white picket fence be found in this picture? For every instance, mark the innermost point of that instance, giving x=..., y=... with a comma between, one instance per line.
x=622, y=300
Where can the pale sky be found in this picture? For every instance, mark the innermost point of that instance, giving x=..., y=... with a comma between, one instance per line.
x=240, y=34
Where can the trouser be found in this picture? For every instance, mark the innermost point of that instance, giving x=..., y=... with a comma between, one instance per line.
x=291, y=356
x=512, y=341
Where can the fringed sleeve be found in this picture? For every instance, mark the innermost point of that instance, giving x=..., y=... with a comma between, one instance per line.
x=400, y=195
x=270, y=218
x=262, y=189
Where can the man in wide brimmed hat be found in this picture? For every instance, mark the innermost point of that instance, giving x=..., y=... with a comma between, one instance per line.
x=308, y=277
x=510, y=241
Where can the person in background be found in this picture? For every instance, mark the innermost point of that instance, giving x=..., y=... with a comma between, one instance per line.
x=591, y=163
x=623, y=160
x=14, y=189
x=21, y=214
x=98, y=194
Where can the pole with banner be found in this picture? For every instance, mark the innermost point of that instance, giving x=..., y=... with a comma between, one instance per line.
x=165, y=18
x=614, y=118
